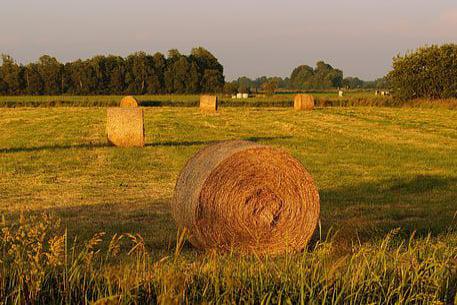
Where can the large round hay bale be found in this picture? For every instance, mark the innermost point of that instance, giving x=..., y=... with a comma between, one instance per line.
x=239, y=195
x=125, y=127
x=209, y=103
x=129, y=101
x=303, y=102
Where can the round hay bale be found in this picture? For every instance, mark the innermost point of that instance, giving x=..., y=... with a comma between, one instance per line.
x=209, y=103
x=125, y=127
x=303, y=102
x=129, y=101
x=239, y=195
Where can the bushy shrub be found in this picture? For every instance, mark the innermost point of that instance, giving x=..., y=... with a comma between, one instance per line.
x=429, y=72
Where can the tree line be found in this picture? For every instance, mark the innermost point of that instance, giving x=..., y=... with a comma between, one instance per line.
x=141, y=73
x=138, y=73
x=303, y=77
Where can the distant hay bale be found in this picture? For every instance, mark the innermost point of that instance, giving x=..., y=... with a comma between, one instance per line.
x=209, y=103
x=303, y=102
x=129, y=101
x=341, y=93
x=247, y=197
x=125, y=127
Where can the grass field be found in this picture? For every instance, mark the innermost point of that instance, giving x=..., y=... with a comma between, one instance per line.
x=377, y=169
x=280, y=100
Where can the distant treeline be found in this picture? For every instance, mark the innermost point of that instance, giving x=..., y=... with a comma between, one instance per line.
x=139, y=73
x=304, y=77
x=142, y=73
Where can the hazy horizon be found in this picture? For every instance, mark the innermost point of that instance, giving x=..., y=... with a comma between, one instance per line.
x=250, y=38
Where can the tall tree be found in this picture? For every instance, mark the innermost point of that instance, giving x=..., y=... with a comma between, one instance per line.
x=50, y=71
x=33, y=81
x=324, y=76
x=12, y=76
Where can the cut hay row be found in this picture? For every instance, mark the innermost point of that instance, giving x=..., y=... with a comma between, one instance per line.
x=247, y=197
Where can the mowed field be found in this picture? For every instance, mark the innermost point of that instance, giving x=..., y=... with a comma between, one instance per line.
x=377, y=169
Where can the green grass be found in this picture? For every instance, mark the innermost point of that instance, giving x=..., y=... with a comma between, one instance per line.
x=326, y=99
x=377, y=169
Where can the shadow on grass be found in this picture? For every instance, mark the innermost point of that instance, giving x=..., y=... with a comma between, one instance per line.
x=53, y=147
x=419, y=205
x=192, y=143
x=152, y=220
x=158, y=103
x=104, y=145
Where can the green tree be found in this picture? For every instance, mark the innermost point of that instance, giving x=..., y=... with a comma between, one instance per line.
x=33, y=81
x=177, y=74
x=12, y=76
x=302, y=77
x=231, y=88
x=353, y=82
x=50, y=71
x=137, y=72
x=269, y=87
x=429, y=72
x=212, y=81
x=324, y=76
x=115, y=70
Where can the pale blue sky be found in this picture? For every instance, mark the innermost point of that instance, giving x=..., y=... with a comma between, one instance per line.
x=250, y=37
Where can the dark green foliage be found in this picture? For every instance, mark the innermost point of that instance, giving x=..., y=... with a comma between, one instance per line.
x=139, y=73
x=231, y=88
x=247, y=85
x=270, y=86
x=429, y=72
x=12, y=76
x=353, y=82
x=324, y=76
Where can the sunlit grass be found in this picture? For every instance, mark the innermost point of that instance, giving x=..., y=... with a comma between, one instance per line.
x=39, y=265
x=377, y=169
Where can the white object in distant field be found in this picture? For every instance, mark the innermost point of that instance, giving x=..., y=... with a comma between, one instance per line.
x=376, y=92
x=239, y=95
x=340, y=93
x=245, y=95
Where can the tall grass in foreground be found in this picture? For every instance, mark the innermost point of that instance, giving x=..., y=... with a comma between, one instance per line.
x=40, y=266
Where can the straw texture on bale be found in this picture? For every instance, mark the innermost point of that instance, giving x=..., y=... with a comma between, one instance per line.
x=125, y=127
x=242, y=196
x=129, y=101
x=303, y=102
x=209, y=103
